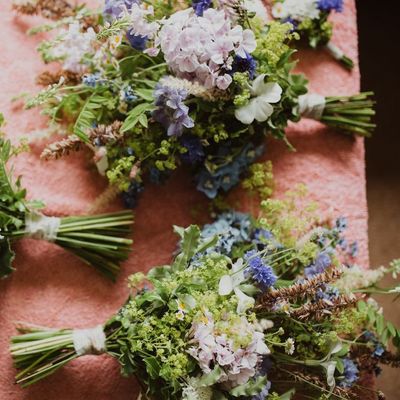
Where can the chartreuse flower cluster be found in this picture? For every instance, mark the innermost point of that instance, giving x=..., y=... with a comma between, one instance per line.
x=150, y=86
x=98, y=240
x=249, y=308
x=309, y=18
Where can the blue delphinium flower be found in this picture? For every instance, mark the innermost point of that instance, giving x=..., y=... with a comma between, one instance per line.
x=200, y=6
x=350, y=374
x=262, y=273
x=227, y=176
x=172, y=112
x=130, y=197
x=137, y=42
x=341, y=224
x=128, y=95
x=247, y=64
x=114, y=8
x=264, y=393
x=328, y=5
x=231, y=228
x=195, y=151
x=353, y=250
x=328, y=293
x=321, y=263
x=92, y=80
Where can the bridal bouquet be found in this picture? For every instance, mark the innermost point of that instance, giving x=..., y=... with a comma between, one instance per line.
x=98, y=240
x=149, y=87
x=309, y=19
x=250, y=309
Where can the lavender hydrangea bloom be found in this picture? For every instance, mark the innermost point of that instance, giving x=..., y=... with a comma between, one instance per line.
x=321, y=263
x=172, y=113
x=114, y=8
x=350, y=373
x=328, y=5
x=263, y=274
x=200, y=6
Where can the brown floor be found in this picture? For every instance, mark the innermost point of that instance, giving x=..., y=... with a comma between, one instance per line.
x=378, y=35
x=384, y=235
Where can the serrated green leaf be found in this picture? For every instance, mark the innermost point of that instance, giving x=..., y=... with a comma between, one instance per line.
x=288, y=395
x=206, y=244
x=6, y=258
x=189, y=243
x=211, y=378
x=251, y=388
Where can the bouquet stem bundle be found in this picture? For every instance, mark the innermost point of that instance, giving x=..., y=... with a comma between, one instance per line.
x=349, y=114
x=98, y=240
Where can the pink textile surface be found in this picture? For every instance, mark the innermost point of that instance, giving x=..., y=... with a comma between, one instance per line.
x=52, y=288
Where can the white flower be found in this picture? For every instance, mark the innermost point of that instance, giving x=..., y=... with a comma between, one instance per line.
x=358, y=278
x=73, y=45
x=138, y=16
x=289, y=346
x=259, y=107
x=230, y=283
x=296, y=9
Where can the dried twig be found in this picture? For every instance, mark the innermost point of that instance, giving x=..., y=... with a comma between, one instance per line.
x=61, y=148
x=104, y=134
x=323, y=308
x=104, y=200
x=50, y=78
x=52, y=9
x=299, y=290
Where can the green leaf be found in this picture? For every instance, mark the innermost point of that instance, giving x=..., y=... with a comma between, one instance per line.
x=211, y=378
x=391, y=329
x=206, y=244
x=2, y=119
x=250, y=388
x=288, y=395
x=189, y=243
x=88, y=116
x=145, y=94
x=159, y=273
x=6, y=258
x=152, y=367
x=362, y=306
x=134, y=116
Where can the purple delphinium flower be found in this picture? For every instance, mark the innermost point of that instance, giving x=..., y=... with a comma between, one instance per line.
x=264, y=392
x=328, y=5
x=136, y=41
x=321, y=263
x=195, y=151
x=341, y=224
x=130, y=197
x=200, y=6
x=263, y=274
x=350, y=374
x=92, y=80
x=172, y=112
x=114, y=8
x=247, y=64
x=379, y=350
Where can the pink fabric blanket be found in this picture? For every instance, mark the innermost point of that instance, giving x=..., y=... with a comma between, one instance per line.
x=52, y=288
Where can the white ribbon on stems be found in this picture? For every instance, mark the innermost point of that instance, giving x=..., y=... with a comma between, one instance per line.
x=89, y=341
x=312, y=106
x=42, y=227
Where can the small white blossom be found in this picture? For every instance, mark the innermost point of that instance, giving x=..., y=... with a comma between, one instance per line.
x=358, y=278
x=73, y=45
x=259, y=107
x=289, y=346
x=296, y=9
